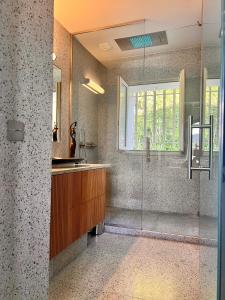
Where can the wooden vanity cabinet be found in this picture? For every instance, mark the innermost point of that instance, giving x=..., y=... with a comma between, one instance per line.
x=78, y=205
x=92, y=206
x=66, y=194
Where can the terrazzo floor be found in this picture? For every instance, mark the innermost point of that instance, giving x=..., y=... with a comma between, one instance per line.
x=116, y=267
x=171, y=223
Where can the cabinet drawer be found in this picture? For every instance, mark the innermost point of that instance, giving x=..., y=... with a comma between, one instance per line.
x=93, y=184
x=64, y=227
x=91, y=213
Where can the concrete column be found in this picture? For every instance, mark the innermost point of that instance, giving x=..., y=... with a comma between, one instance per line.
x=26, y=34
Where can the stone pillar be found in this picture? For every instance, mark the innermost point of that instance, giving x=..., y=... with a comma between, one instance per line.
x=26, y=35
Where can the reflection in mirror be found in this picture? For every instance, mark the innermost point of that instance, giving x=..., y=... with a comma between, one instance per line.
x=56, y=104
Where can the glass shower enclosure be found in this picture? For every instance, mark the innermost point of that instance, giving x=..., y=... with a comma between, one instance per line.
x=159, y=125
x=164, y=176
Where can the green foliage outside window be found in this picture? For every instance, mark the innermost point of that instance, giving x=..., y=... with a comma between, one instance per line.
x=158, y=117
x=211, y=107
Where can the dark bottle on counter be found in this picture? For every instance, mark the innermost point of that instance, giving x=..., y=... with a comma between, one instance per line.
x=73, y=135
x=55, y=133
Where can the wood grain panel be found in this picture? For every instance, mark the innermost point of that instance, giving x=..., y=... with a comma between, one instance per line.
x=91, y=214
x=78, y=205
x=66, y=194
x=57, y=188
x=93, y=184
x=99, y=209
x=86, y=217
x=73, y=195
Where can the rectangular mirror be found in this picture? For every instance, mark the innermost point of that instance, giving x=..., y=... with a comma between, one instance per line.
x=56, y=105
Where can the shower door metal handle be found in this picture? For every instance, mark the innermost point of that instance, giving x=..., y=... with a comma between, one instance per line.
x=191, y=126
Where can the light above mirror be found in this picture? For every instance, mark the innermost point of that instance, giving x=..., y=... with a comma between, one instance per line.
x=93, y=86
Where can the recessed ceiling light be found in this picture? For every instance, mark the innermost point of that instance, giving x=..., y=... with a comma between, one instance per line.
x=105, y=46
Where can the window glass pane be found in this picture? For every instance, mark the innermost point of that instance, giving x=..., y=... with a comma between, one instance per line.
x=150, y=93
x=159, y=92
x=211, y=107
x=158, y=139
x=140, y=120
x=150, y=118
x=122, y=117
x=156, y=114
x=169, y=92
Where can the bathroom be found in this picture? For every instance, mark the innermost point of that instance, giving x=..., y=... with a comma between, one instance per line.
x=132, y=135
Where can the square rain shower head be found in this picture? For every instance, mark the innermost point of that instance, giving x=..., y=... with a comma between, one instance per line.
x=143, y=41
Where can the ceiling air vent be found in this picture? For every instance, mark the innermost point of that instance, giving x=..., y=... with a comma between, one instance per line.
x=143, y=41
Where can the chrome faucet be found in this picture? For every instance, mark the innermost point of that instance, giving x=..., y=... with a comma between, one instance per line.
x=82, y=144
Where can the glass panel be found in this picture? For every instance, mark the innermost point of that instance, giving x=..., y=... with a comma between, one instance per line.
x=208, y=209
x=122, y=113
x=148, y=186
x=124, y=201
x=140, y=121
x=170, y=199
x=124, y=207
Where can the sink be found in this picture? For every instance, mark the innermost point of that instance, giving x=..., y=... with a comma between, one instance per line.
x=68, y=166
x=81, y=165
x=60, y=160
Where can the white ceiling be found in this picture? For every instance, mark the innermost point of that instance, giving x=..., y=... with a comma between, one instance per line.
x=178, y=38
x=85, y=15
x=177, y=17
x=211, y=22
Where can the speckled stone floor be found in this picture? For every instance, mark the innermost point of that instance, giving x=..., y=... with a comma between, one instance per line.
x=116, y=267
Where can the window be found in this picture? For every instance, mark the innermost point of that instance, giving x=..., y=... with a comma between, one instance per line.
x=211, y=107
x=153, y=111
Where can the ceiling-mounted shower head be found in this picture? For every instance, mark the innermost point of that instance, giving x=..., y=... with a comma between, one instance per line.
x=143, y=41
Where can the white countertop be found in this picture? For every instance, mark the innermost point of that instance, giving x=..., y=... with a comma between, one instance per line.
x=71, y=169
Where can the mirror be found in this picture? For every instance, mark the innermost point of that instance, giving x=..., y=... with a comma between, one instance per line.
x=56, y=104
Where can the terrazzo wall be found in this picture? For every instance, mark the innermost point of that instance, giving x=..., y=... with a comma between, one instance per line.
x=165, y=186
x=62, y=49
x=86, y=103
x=25, y=95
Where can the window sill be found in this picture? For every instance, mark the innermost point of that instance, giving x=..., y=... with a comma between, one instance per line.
x=152, y=153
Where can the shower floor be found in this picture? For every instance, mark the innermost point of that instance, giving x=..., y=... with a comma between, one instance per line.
x=170, y=223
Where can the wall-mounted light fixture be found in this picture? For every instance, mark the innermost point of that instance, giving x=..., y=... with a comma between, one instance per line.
x=92, y=86
x=53, y=56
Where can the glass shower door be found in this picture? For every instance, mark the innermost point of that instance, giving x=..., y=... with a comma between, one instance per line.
x=211, y=108
x=124, y=207
x=170, y=199
x=176, y=205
